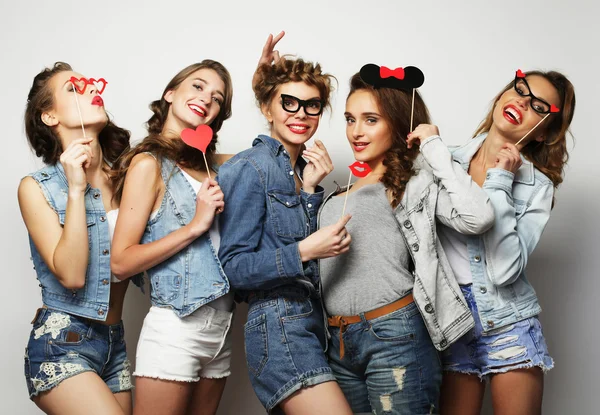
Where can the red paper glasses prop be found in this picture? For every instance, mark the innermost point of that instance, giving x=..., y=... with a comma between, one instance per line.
x=199, y=138
x=81, y=84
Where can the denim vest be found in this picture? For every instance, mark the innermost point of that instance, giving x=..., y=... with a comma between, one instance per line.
x=522, y=203
x=440, y=191
x=193, y=276
x=91, y=301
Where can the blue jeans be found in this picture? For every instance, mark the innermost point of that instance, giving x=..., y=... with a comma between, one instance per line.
x=390, y=365
x=520, y=345
x=63, y=345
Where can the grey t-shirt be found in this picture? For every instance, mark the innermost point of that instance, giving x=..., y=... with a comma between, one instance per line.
x=375, y=271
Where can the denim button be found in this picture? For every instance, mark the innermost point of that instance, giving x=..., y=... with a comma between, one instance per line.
x=102, y=218
x=488, y=176
x=96, y=195
x=105, y=282
x=429, y=308
x=490, y=324
x=287, y=203
x=443, y=343
x=44, y=175
x=105, y=252
x=291, y=173
x=477, y=258
x=483, y=290
x=407, y=224
x=100, y=312
x=415, y=247
x=309, y=205
x=74, y=293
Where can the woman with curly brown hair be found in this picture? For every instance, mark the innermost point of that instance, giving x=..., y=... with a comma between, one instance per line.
x=392, y=299
x=269, y=246
x=519, y=175
x=76, y=355
x=167, y=228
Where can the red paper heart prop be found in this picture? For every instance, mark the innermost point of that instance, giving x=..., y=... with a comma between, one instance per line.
x=520, y=74
x=360, y=169
x=100, y=84
x=554, y=108
x=199, y=138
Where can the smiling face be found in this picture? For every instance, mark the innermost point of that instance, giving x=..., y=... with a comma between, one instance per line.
x=64, y=116
x=513, y=115
x=292, y=128
x=367, y=131
x=197, y=100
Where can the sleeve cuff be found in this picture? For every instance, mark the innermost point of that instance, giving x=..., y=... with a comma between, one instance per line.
x=499, y=179
x=289, y=263
x=312, y=201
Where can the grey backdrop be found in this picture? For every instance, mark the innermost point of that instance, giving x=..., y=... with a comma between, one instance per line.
x=467, y=50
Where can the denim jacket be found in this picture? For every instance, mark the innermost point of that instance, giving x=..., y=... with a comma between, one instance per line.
x=522, y=204
x=193, y=276
x=439, y=191
x=91, y=301
x=264, y=220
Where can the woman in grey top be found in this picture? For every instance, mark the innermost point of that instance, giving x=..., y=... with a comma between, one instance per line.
x=392, y=299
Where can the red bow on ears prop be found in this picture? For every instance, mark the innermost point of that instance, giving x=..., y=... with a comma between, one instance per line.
x=81, y=84
x=386, y=72
x=199, y=138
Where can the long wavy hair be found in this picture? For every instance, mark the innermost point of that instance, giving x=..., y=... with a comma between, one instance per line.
x=44, y=140
x=395, y=108
x=176, y=149
x=551, y=155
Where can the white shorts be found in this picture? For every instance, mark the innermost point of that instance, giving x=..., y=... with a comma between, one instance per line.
x=185, y=349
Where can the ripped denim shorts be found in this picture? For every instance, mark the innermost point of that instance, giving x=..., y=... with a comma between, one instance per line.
x=520, y=345
x=63, y=345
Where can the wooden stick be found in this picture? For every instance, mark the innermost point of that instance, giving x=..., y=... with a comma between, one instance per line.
x=206, y=163
x=412, y=111
x=541, y=121
x=78, y=109
x=347, y=190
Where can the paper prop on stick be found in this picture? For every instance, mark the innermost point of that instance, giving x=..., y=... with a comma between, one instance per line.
x=79, y=87
x=199, y=138
x=522, y=88
x=359, y=169
x=408, y=78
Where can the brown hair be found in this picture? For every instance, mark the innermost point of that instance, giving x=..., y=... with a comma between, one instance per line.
x=269, y=78
x=395, y=107
x=176, y=149
x=43, y=139
x=549, y=156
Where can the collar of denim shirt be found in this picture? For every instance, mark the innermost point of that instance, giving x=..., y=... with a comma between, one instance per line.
x=277, y=148
x=465, y=153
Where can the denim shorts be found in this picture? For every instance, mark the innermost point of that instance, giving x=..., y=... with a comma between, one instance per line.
x=520, y=345
x=390, y=365
x=63, y=345
x=285, y=339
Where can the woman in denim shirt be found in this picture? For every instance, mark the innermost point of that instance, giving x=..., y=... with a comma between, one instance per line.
x=507, y=345
x=76, y=355
x=392, y=299
x=268, y=248
x=167, y=228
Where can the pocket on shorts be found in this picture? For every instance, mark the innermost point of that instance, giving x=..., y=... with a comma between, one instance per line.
x=296, y=308
x=256, y=344
x=397, y=327
x=166, y=287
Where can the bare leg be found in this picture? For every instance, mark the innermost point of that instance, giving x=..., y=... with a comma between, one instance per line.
x=85, y=392
x=518, y=392
x=206, y=396
x=124, y=400
x=322, y=399
x=461, y=394
x=162, y=397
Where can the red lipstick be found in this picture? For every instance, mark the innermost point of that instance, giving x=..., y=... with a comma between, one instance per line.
x=97, y=100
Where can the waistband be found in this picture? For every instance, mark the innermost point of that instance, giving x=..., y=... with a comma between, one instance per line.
x=343, y=321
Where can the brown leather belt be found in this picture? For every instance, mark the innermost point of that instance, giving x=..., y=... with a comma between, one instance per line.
x=343, y=321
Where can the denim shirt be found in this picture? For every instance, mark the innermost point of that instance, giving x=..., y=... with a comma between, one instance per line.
x=193, y=276
x=440, y=191
x=522, y=204
x=91, y=301
x=264, y=220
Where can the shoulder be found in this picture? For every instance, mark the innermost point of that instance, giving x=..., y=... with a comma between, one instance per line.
x=144, y=163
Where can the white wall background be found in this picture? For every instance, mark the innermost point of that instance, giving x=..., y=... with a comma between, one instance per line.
x=467, y=50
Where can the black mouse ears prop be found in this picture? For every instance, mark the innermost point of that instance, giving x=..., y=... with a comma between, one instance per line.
x=406, y=78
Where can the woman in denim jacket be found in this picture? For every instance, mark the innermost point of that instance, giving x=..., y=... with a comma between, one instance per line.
x=167, y=228
x=76, y=355
x=393, y=299
x=507, y=345
x=269, y=250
